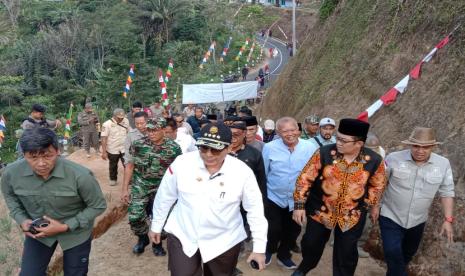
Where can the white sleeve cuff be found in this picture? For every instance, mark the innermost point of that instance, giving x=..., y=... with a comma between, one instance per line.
x=259, y=246
x=156, y=226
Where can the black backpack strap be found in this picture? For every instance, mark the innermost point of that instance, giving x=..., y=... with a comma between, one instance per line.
x=318, y=141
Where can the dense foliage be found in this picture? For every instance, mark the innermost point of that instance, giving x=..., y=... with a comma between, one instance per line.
x=58, y=52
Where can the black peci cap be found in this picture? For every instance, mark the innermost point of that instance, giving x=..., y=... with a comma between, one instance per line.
x=354, y=127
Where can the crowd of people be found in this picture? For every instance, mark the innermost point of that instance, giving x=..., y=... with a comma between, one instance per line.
x=211, y=185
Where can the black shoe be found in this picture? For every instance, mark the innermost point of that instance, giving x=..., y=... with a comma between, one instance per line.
x=237, y=272
x=158, y=250
x=141, y=244
x=298, y=273
x=296, y=249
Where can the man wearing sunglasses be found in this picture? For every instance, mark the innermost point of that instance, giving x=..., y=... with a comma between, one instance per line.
x=252, y=158
x=150, y=157
x=334, y=191
x=205, y=228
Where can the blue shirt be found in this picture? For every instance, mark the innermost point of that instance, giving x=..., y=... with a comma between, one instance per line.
x=282, y=168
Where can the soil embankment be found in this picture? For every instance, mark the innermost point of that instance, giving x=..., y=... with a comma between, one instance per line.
x=359, y=53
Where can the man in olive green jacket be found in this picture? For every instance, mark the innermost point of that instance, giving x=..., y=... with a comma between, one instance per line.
x=64, y=195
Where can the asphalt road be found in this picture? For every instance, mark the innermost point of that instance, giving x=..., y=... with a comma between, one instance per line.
x=277, y=63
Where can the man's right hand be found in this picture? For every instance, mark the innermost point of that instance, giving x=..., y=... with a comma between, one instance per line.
x=299, y=217
x=104, y=155
x=125, y=196
x=25, y=226
x=155, y=237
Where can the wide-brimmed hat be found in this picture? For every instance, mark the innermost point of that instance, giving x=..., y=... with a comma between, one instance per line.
x=422, y=136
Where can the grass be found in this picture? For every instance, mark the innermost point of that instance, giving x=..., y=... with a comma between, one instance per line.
x=11, y=239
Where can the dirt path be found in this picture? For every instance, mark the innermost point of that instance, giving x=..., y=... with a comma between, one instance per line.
x=111, y=253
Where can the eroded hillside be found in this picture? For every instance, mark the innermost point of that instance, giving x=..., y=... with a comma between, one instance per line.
x=359, y=53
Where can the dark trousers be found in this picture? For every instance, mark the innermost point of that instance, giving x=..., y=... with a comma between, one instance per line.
x=113, y=167
x=181, y=265
x=90, y=139
x=36, y=257
x=282, y=230
x=345, y=253
x=399, y=245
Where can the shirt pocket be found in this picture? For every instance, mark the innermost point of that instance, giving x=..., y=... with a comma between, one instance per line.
x=224, y=203
x=64, y=201
x=431, y=185
x=30, y=200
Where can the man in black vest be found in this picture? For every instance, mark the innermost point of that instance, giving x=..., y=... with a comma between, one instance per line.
x=36, y=118
x=334, y=190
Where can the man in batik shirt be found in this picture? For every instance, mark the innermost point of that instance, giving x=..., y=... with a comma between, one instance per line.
x=335, y=189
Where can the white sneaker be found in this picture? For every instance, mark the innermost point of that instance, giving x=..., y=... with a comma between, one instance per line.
x=113, y=183
x=88, y=155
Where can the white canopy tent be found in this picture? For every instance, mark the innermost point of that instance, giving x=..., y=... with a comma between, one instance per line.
x=218, y=92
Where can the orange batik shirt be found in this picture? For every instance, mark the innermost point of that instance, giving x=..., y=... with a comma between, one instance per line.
x=334, y=192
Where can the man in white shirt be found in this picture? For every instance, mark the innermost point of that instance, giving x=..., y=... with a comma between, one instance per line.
x=185, y=141
x=205, y=228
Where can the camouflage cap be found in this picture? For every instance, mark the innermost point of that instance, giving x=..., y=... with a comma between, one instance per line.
x=312, y=119
x=156, y=123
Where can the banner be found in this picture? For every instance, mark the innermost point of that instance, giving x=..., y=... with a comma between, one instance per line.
x=219, y=92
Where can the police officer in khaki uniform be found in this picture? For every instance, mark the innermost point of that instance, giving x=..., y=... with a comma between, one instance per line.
x=88, y=120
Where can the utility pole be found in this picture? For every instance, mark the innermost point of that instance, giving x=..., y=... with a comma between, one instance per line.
x=293, y=28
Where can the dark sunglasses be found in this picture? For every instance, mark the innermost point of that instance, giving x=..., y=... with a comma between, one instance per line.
x=205, y=149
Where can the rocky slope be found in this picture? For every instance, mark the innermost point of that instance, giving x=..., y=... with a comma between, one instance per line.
x=360, y=52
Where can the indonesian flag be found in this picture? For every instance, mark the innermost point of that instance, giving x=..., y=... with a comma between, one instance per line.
x=164, y=94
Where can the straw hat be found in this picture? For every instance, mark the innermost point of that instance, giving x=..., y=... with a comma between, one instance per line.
x=422, y=136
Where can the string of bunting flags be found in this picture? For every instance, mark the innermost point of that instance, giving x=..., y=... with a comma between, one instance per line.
x=169, y=71
x=225, y=49
x=69, y=116
x=164, y=93
x=251, y=52
x=390, y=96
x=207, y=55
x=2, y=128
x=129, y=81
x=242, y=49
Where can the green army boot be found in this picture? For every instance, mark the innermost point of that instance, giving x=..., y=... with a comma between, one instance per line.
x=141, y=244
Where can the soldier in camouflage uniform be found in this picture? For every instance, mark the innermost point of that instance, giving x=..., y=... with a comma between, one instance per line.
x=152, y=155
